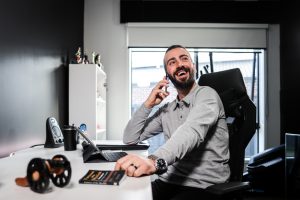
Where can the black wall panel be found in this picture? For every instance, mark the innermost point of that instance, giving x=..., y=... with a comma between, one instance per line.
x=37, y=41
x=203, y=11
x=290, y=68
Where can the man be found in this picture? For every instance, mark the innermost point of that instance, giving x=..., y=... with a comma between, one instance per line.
x=195, y=154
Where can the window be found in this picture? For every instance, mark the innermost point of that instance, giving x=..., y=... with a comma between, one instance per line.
x=147, y=69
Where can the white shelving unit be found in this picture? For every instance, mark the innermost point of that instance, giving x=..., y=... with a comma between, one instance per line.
x=87, y=99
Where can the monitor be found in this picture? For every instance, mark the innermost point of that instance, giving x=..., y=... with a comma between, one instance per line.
x=292, y=166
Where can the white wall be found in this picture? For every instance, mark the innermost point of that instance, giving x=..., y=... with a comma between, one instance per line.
x=103, y=33
x=204, y=35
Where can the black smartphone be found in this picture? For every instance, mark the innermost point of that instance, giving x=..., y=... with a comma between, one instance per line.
x=167, y=78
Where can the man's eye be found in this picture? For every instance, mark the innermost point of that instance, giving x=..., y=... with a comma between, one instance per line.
x=171, y=62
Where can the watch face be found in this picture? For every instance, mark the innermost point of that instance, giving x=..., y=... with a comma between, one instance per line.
x=161, y=166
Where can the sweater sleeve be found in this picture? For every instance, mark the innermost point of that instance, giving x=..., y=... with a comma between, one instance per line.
x=141, y=127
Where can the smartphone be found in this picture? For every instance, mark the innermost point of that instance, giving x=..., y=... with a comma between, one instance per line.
x=167, y=78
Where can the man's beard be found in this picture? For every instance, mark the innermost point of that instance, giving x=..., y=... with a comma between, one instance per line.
x=187, y=84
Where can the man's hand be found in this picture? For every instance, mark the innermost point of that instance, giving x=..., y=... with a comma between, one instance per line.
x=158, y=94
x=135, y=165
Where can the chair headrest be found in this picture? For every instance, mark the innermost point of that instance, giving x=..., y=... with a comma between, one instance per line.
x=225, y=80
x=230, y=86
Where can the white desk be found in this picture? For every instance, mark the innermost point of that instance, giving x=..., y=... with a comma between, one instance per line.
x=16, y=166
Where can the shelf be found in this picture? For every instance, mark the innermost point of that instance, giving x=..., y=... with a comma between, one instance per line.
x=100, y=100
x=87, y=98
x=102, y=130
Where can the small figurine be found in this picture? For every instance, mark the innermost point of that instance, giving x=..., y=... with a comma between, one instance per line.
x=93, y=57
x=85, y=59
x=97, y=60
x=78, y=56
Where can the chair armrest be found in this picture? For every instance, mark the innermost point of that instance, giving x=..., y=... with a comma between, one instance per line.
x=226, y=188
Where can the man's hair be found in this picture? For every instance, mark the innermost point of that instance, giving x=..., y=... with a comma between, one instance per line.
x=174, y=47
x=170, y=48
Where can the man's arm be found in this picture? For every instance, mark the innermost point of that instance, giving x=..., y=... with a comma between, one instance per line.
x=139, y=126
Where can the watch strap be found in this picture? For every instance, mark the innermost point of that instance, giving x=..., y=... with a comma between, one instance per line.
x=152, y=157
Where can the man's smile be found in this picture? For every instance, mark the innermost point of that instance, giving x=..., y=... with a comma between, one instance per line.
x=182, y=74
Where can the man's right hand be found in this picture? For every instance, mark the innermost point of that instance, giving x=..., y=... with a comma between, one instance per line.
x=158, y=94
x=135, y=165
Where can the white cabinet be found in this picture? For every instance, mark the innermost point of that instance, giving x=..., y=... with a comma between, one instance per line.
x=87, y=99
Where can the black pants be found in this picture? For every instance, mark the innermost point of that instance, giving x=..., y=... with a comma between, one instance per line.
x=166, y=191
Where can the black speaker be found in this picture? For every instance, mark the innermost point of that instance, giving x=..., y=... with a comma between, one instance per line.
x=54, y=136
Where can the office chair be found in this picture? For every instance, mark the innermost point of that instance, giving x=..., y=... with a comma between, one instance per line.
x=241, y=119
x=263, y=167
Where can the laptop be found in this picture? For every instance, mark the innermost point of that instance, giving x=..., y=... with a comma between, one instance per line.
x=119, y=145
x=93, y=154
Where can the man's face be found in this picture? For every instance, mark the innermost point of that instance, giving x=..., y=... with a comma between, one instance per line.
x=180, y=68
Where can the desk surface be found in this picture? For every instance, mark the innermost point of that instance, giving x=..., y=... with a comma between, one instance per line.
x=16, y=166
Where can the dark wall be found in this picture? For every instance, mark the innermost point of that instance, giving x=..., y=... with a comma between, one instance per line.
x=37, y=40
x=203, y=11
x=290, y=69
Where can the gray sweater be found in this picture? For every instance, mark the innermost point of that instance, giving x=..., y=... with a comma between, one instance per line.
x=196, y=135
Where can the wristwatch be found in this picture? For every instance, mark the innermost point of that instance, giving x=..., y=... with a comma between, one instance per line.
x=160, y=164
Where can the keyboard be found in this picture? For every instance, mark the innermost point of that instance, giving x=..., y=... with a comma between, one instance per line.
x=113, y=156
x=90, y=154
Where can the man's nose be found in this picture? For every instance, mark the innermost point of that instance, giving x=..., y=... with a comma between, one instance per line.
x=180, y=63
